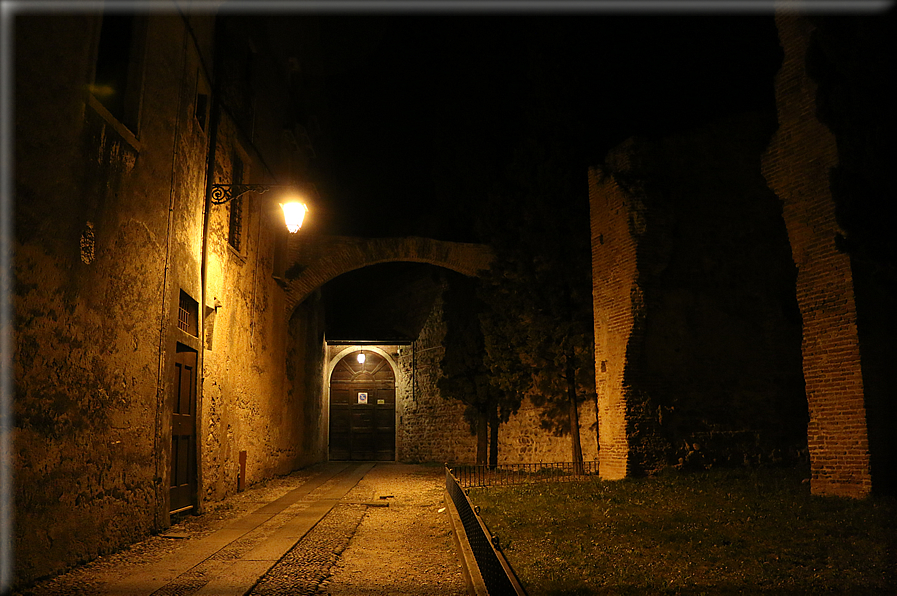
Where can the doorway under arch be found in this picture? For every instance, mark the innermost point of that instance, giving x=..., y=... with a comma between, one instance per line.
x=362, y=408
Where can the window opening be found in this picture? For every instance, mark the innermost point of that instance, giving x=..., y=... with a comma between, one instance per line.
x=188, y=310
x=113, y=59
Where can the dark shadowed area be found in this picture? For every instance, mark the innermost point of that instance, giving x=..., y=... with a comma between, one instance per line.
x=425, y=112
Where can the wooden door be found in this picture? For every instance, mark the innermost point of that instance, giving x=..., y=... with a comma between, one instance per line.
x=363, y=410
x=183, y=432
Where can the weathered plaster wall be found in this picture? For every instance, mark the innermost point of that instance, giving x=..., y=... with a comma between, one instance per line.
x=697, y=332
x=306, y=390
x=797, y=166
x=94, y=281
x=109, y=232
x=262, y=390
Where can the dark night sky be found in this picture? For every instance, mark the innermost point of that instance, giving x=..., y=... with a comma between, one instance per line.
x=416, y=103
x=412, y=99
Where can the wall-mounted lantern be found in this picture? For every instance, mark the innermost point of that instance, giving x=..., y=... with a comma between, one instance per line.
x=360, y=357
x=294, y=210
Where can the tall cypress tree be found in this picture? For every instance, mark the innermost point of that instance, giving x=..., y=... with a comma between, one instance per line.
x=465, y=374
x=537, y=324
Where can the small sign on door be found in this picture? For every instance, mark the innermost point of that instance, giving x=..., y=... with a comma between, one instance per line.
x=362, y=398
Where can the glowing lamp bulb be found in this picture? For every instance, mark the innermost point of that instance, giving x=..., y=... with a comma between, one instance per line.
x=294, y=214
x=361, y=358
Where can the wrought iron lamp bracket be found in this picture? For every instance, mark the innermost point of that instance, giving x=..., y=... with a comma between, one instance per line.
x=223, y=193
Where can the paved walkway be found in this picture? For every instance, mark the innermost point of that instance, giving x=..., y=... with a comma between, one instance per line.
x=335, y=528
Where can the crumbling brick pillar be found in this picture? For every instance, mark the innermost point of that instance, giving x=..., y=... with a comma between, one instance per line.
x=615, y=221
x=797, y=167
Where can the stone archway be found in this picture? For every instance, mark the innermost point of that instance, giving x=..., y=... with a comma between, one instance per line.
x=315, y=260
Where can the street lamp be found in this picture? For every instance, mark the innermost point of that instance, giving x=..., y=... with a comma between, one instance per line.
x=293, y=211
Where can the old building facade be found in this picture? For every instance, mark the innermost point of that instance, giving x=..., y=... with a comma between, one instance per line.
x=151, y=325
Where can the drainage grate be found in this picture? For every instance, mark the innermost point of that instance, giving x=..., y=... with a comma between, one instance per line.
x=497, y=573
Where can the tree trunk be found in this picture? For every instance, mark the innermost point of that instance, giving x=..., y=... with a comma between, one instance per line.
x=493, y=436
x=482, y=437
x=574, y=418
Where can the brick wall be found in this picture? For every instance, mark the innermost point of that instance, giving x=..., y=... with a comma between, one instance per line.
x=696, y=325
x=797, y=167
x=615, y=225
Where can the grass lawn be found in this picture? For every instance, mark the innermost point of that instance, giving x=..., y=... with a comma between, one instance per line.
x=755, y=531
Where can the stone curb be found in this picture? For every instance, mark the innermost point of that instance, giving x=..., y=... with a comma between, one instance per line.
x=475, y=584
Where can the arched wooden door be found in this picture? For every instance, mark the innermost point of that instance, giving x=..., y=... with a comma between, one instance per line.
x=363, y=409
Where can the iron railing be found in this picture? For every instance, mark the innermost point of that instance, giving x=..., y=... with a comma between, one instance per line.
x=494, y=568
x=508, y=474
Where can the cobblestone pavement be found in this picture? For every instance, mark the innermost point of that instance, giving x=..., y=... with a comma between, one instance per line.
x=367, y=549
x=365, y=545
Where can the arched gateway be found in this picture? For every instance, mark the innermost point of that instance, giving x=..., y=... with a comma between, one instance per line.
x=362, y=407
x=360, y=397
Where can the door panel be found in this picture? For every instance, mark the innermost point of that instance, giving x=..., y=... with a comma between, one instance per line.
x=340, y=424
x=362, y=433
x=183, y=431
x=362, y=429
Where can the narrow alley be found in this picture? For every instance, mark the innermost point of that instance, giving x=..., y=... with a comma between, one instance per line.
x=334, y=528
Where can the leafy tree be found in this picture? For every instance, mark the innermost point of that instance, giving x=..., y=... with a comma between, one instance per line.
x=465, y=374
x=529, y=199
x=538, y=329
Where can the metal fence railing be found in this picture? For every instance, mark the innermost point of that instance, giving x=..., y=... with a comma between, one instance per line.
x=494, y=568
x=509, y=474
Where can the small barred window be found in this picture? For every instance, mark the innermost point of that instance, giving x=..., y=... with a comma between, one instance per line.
x=188, y=310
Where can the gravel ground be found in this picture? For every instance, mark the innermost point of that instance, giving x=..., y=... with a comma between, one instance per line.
x=406, y=548
x=357, y=549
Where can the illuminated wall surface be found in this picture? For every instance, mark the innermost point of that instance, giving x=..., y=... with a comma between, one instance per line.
x=827, y=163
x=109, y=301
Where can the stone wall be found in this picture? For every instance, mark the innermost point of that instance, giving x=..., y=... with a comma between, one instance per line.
x=798, y=166
x=433, y=428
x=98, y=270
x=109, y=237
x=523, y=440
x=316, y=259
x=696, y=327
x=304, y=399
